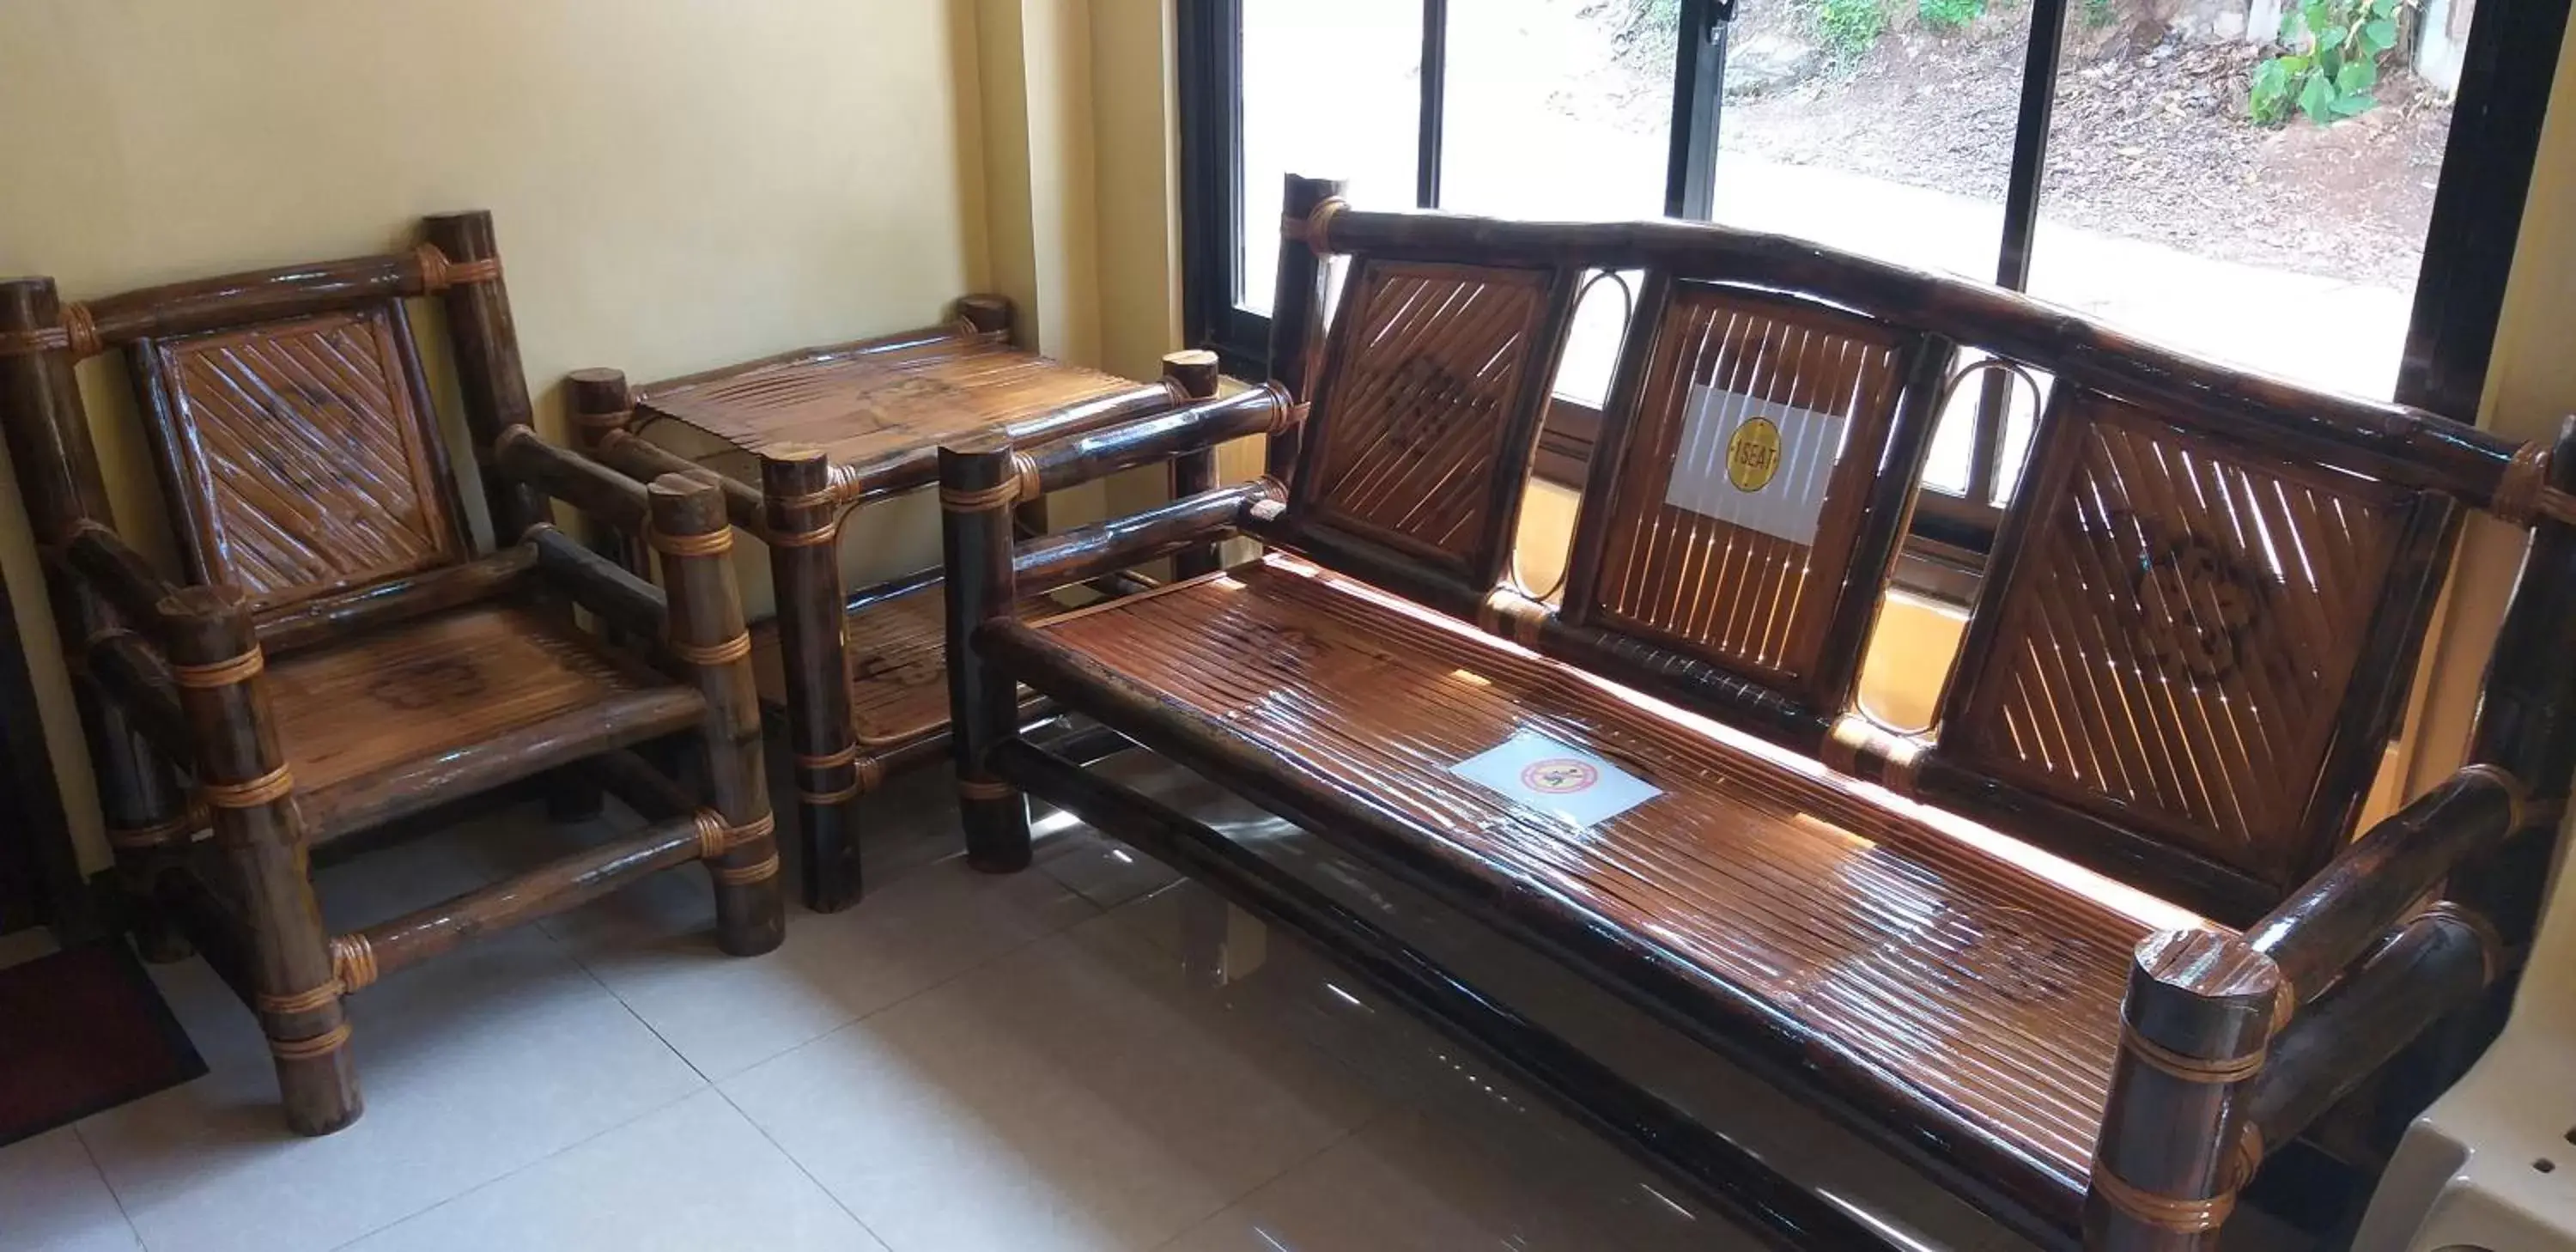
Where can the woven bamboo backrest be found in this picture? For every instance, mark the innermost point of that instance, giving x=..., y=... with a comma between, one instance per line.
x=1427, y=408
x=2191, y=637
x=1750, y=480
x=301, y=455
x=2195, y=630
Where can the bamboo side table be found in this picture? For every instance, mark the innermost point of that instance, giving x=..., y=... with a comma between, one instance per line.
x=859, y=678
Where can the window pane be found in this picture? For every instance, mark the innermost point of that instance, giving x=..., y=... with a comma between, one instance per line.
x=1883, y=127
x=2282, y=244
x=1331, y=89
x=1562, y=109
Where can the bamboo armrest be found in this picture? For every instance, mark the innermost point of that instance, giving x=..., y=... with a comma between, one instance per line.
x=1083, y=458
x=100, y=557
x=1088, y=552
x=598, y=584
x=136, y=676
x=2332, y=921
x=288, y=628
x=587, y=485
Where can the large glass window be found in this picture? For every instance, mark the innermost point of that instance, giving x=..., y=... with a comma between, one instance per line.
x=2253, y=180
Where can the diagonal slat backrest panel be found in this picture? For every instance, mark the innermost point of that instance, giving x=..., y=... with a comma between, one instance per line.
x=2178, y=636
x=1746, y=510
x=304, y=453
x=1427, y=410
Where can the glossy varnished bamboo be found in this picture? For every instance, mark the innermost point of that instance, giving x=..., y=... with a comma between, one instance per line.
x=692, y=537
x=598, y=405
x=1297, y=312
x=975, y=493
x=1709, y=1166
x=58, y=477
x=1194, y=374
x=243, y=778
x=2435, y=964
x=494, y=385
x=2200, y=1009
x=565, y=882
x=298, y=626
x=1192, y=522
x=625, y=604
x=803, y=521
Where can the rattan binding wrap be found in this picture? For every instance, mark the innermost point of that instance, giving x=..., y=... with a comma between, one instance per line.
x=2191, y=1069
x=318, y=1046
x=305, y=1001
x=744, y=876
x=725, y=653
x=2163, y=1212
x=438, y=273
x=239, y=669
x=353, y=961
x=250, y=793
x=993, y=497
x=159, y=834
x=716, y=542
x=985, y=789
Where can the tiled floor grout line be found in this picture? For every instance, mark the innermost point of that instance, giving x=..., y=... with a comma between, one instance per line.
x=104, y=1181
x=828, y=1193
x=427, y=1209
x=704, y=1084
x=1275, y=1175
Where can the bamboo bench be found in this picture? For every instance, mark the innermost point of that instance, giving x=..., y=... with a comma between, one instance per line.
x=2087, y=951
x=856, y=677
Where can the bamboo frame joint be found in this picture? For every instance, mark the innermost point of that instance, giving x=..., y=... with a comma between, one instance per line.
x=985, y=789
x=438, y=273
x=353, y=961
x=2516, y=794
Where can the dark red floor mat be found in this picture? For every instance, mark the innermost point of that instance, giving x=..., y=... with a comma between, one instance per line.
x=83, y=1030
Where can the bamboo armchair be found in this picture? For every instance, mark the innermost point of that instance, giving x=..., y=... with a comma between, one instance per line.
x=856, y=676
x=341, y=657
x=2193, y=639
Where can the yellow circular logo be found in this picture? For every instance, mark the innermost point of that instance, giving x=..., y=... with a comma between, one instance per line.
x=1753, y=455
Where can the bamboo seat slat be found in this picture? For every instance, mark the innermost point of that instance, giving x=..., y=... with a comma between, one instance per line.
x=1943, y=971
x=353, y=711
x=866, y=407
x=898, y=666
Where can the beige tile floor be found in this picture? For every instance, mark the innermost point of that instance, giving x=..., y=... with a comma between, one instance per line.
x=1033, y=1062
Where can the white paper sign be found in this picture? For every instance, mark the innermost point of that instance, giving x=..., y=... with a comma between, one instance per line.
x=1534, y=770
x=1760, y=465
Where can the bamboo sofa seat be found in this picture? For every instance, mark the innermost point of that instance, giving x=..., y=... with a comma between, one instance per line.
x=2087, y=951
x=833, y=429
x=342, y=652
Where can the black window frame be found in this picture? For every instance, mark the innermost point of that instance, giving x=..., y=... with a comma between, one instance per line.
x=2508, y=68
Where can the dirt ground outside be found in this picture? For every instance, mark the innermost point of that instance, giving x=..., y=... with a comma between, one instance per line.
x=2150, y=139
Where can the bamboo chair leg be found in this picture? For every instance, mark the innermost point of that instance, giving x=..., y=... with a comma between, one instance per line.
x=805, y=568
x=215, y=656
x=689, y=529
x=976, y=486
x=2200, y=1013
x=148, y=828
x=1195, y=372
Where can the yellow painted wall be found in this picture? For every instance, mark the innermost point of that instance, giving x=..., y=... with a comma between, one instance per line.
x=675, y=186
x=2531, y=385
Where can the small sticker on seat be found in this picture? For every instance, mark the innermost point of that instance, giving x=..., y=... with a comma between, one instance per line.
x=1759, y=465
x=1538, y=772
